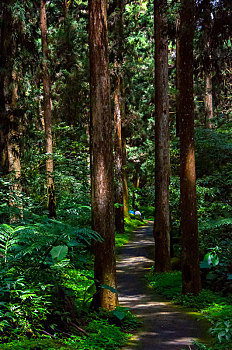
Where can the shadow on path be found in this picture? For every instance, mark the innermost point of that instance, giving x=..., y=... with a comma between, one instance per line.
x=165, y=327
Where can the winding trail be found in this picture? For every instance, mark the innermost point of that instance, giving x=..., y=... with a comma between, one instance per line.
x=165, y=326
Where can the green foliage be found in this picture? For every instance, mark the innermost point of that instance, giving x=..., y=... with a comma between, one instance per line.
x=38, y=344
x=201, y=346
x=124, y=319
x=147, y=212
x=59, y=252
x=168, y=284
x=35, y=259
x=38, y=259
x=210, y=259
x=132, y=224
x=102, y=335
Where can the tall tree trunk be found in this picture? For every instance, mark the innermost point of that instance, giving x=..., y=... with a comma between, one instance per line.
x=177, y=73
x=51, y=204
x=188, y=201
x=208, y=100
x=9, y=131
x=119, y=210
x=102, y=183
x=118, y=29
x=208, y=65
x=162, y=157
x=124, y=175
x=13, y=153
x=136, y=187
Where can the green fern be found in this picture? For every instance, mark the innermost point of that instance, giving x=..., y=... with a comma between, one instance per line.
x=7, y=240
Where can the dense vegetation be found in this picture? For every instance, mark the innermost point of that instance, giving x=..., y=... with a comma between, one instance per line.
x=47, y=279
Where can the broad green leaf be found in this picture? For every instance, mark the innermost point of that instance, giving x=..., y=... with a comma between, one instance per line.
x=215, y=260
x=119, y=314
x=59, y=253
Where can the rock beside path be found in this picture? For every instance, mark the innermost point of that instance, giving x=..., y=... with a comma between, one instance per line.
x=165, y=327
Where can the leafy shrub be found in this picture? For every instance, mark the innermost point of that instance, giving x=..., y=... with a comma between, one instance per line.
x=34, y=261
x=102, y=336
x=168, y=284
x=200, y=301
x=121, y=317
x=24, y=307
x=36, y=344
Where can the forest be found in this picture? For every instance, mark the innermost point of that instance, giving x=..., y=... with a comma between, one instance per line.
x=108, y=108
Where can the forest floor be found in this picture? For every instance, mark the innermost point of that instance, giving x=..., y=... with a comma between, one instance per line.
x=165, y=326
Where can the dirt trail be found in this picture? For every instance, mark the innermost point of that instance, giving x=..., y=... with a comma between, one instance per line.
x=165, y=327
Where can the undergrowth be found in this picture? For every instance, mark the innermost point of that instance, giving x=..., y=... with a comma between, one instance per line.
x=46, y=288
x=101, y=335
x=130, y=226
x=213, y=307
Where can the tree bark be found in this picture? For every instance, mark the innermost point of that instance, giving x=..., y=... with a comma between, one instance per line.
x=162, y=157
x=124, y=175
x=208, y=66
x=177, y=73
x=66, y=8
x=188, y=201
x=208, y=100
x=118, y=29
x=136, y=183
x=102, y=183
x=9, y=131
x=119, y=210
x=51, y=203
x=13, y=154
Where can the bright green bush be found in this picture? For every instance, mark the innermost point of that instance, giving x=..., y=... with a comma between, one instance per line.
x=102, y=335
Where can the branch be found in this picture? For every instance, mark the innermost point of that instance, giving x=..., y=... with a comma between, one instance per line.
x=50, y=335
x=79, y=329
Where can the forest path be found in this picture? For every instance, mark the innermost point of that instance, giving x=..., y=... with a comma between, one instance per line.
x=165, y=326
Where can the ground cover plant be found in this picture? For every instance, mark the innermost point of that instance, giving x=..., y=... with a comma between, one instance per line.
x=47, y=284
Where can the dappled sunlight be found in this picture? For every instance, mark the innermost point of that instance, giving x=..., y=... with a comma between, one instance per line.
x=190, y=166
x=179, y=341
x=165, y=327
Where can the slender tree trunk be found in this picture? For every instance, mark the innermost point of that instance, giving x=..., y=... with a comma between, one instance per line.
x=102, y=183
x=51, y=204
x=207, y=32
x=119, y=210
x=188, y=201
x=177, y=73
x=208, y=100
x=162, y=158
x=118, y=111
x=124, y=175
x=136, y=187
x=66, y=8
